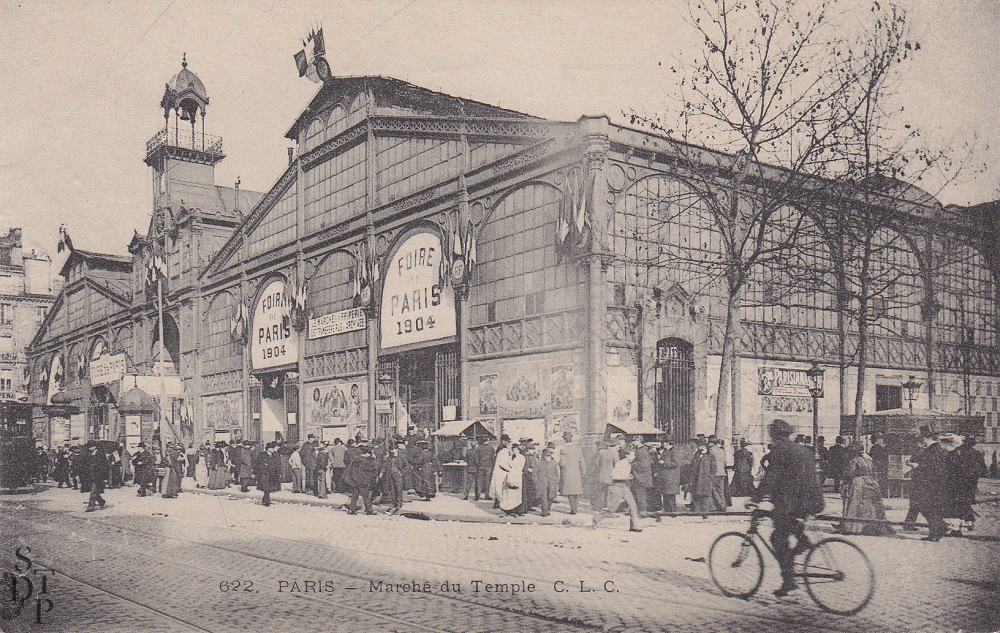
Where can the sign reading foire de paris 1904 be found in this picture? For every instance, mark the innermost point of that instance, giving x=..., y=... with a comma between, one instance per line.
x=337, y=323
x=415, y=307
x=272, y=341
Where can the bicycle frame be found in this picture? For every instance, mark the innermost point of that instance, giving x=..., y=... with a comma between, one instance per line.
x=803, y=546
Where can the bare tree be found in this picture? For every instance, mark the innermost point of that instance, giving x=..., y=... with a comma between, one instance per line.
x=768, y=93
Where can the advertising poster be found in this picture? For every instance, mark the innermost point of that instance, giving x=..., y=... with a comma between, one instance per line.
x=338, y=403
x=563, y=422
x=488, y=394
x=562, y=387
x=524, y=391
x=223, y=411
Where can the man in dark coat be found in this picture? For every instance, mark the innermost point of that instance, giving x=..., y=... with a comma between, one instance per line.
x=268, y=472
x=362, y=475
x=61, y=471
x=483, y=456
x=245, y=469
x=81, y=465
x=742, y=471
x=790, y=483
x=426, y=468
x=667, y=477
x=929, y=487
x=145, y=469
x=392, y=476
x=322, y=464
x=98, y=471
x=308, y=454
x=547, y=478
x=836, y=461
x=880, y=458
x=642, y=476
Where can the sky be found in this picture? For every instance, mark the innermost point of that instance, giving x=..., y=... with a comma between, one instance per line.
x=82, y=82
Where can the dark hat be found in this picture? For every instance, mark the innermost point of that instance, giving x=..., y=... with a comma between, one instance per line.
x=505, y=438
x=142, y=445
x=780, y=429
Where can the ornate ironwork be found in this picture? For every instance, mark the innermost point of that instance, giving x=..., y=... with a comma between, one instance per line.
x=338, y=363
x=222, y=382
x=529, y=333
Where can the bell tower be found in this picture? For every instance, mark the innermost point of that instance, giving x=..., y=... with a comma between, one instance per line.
x=182, y=155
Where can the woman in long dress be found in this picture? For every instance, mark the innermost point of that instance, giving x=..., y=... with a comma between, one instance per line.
x=510, y=493
x=862, y=497
x=218, y=470
x=201, y=466
x=175, y=471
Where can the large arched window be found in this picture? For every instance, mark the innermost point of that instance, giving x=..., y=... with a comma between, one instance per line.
x=967, y=295
x=662, y=235
x=891, y=283
x=518, y=274
x=217, y=346
x=794, y=281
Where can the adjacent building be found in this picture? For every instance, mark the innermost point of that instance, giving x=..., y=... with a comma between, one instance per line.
x=425, y=258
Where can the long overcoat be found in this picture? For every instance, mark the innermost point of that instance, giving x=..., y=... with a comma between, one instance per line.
x=667, y=480
x=571, y=470
x=145, y=468
x=268, y=472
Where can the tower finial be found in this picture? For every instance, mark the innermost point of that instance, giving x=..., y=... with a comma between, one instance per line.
x=184, y=61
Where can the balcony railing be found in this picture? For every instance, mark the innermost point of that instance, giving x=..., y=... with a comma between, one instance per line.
x=186, y=140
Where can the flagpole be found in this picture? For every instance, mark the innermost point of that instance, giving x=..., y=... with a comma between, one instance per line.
x=163, y=390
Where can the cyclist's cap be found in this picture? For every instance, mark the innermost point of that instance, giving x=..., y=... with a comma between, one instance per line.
x=780, y=428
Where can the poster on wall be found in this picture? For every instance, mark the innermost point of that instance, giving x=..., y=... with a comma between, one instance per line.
x=338, y=403
x=562, y=387
x=564, y=423
x=223, y=411
x=331, y=433
x=415, y=307
x=57, y=376
x=622, y=395
x=524, y=391
x=781, y=381
x=488, y=394
x=526, y=428
x=272, y=341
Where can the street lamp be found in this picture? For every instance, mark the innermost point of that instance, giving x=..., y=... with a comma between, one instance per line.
x=912, y=388
x=815, y=376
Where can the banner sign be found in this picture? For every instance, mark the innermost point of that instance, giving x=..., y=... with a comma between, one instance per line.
x=777, y=381
x=337, y=323
x=272, y=341
x=107, y=369
x=415, y=306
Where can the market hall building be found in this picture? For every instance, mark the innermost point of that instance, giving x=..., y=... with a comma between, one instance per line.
x=427, y=258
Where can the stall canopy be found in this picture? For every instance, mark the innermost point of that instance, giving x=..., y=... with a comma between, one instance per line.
x=471, y=428
x=634, y=427
x=907, y=422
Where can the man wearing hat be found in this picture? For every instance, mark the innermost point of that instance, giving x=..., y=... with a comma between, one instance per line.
x=426, y=468
x=606, y=461
x=245, y=470
x=790, y=483
x=363, y=477
x=268, y=472
x=571, y=471
x=99, y=470
x=929, y=486
x=547, y=479
x=145, y=468
x=642, y=475
x=619, y=490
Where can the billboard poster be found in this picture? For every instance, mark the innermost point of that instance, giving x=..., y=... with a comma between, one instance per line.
x=338, y=403
x=223, y=411
x=416, y=308
x=524, y=391
x=272, y=341
x=562, y=387
x=488, y=394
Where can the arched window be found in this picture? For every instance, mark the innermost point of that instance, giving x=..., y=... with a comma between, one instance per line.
x=314, y=135
x=217, y=347
x=967, y=294
x=675, y=388
x=337, y=121
x=662, y=235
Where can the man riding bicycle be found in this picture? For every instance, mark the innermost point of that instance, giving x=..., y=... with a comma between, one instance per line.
x=790, y=483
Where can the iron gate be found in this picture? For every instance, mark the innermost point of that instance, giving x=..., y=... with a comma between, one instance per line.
x=446, y=377
x=675, y=388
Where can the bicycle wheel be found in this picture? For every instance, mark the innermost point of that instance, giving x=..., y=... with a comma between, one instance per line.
x=838, y=576
x=736, y=564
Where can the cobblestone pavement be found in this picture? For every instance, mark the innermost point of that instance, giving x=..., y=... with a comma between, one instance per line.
x=157, y=564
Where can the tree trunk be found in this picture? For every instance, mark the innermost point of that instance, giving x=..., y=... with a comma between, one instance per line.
x=723, y=401
x=859, y=395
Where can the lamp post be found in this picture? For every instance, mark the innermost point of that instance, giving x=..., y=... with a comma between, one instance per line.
x=912, y=388
x=815, y=376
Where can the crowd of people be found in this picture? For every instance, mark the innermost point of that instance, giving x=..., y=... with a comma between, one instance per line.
x=523, y=477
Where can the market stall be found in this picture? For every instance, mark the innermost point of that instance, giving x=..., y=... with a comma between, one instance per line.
x=446, y=445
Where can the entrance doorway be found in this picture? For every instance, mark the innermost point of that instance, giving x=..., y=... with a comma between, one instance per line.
x=675, y=388
x=279, y=406
x=425, y=385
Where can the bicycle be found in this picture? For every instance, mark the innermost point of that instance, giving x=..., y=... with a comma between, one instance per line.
x=838, y=576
